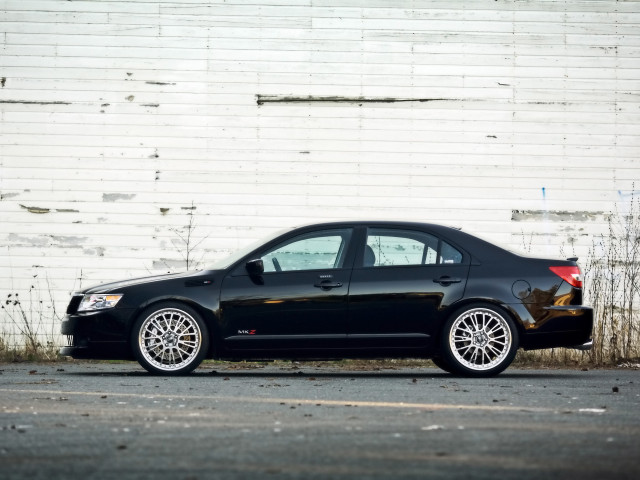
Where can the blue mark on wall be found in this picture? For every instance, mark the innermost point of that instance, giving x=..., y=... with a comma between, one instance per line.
x=631, y=194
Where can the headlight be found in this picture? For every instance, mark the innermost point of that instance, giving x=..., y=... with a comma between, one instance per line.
x=98, y=302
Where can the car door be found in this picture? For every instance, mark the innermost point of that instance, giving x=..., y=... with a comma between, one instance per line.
x=298, y=302
x=400, y=282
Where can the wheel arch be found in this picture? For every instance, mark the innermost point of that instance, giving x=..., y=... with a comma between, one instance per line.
x=463, y=336
x=208, y=317
x=490, y=302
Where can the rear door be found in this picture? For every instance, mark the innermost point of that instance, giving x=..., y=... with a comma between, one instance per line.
x=299, y=302
x=401, y=281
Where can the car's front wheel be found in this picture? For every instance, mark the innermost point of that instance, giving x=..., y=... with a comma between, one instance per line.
x=170, y=339
x=479, y=341
x=441, y=364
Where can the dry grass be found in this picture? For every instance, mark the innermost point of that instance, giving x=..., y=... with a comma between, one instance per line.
x=30, y=326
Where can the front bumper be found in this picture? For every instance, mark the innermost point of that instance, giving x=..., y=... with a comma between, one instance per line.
x=99, y=351
x=104, y=325
x=97, y=335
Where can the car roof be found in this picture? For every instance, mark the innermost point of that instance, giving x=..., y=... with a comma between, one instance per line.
x=389, y=223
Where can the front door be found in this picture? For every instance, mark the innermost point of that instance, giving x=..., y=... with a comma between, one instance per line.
x=298, y=303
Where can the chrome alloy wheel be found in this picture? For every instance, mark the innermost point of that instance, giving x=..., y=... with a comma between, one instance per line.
x=170, y=339
x=480, y=339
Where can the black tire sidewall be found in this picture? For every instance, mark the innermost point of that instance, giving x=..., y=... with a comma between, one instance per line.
x=204, y=338
x=451, y=361
x=441, y=364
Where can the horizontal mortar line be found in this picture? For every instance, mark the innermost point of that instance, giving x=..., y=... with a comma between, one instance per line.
x=461, y=52
x=159, y=68
x=226, y=156
x=451, y=64
x=497, y=138
x=264, y=99
x=235, y=20
x=236, y=61
x=265, y=119
x=572, y=85
x=172, y=9
x=327, y=73
x=494, y=84
x=426, y=406
x=230, y=129
x=355, y=156
x=292, y=177
x=208, y=57
x=355, y=153
x=197, y=22
x=184, y=13
x=460, y=40
x=233, y=133
x=312, y=179
x=318, y=143
x=169, y=174
x=623, y=96
x=324, y=112
x=90, y=87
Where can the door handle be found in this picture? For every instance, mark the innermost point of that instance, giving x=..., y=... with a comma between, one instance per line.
x=446, y=280
x=327, y=285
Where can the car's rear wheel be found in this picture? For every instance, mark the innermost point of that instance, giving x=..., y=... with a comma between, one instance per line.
x=479, y=341
x=170, y=339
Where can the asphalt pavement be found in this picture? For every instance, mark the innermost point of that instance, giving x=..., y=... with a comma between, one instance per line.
x=288, y=420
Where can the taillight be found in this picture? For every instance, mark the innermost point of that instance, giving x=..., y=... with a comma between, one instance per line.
x=570, y=274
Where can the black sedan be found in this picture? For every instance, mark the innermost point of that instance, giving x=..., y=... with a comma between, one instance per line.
x=341, y=290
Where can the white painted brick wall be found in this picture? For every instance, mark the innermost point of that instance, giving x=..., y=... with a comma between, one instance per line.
x=517, y=120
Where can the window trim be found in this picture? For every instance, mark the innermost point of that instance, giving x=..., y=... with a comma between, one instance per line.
x=400, y=231
x=347, y=234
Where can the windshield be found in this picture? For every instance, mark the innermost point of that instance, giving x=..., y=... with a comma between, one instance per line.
x=226, y=262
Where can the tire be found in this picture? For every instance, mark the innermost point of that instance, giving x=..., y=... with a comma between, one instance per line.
x=479, y=341
x=169, y=339
x=440, y=363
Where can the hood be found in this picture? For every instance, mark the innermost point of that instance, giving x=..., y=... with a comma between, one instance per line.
x=121, y=284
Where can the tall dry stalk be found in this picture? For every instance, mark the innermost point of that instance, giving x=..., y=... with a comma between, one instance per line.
x=31, y=322
x=612, y=273
x=186, y=243
x=612, y=288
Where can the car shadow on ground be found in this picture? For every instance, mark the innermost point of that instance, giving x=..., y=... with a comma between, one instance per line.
x=260, y=373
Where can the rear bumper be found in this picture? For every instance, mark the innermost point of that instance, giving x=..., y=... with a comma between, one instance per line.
x=569, y=326
x=585, y=346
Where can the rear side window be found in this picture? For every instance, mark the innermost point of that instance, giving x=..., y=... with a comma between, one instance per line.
x=389, y=247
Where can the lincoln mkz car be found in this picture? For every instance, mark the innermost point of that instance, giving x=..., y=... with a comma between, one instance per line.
x=341, y=290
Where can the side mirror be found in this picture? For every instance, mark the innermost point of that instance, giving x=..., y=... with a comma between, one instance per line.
x=255, y=267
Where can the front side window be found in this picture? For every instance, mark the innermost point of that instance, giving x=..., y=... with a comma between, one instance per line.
x=315, y=251
x=387, y=247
